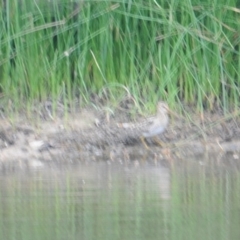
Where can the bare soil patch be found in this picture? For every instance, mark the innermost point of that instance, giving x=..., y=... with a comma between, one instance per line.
x=92, y=135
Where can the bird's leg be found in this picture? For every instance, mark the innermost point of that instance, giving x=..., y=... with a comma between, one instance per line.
x=159, y=142
x=144, y=142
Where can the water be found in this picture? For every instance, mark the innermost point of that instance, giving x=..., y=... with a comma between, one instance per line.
x=135, y=200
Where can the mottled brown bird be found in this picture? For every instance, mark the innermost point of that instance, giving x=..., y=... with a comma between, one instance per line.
x=153, y=126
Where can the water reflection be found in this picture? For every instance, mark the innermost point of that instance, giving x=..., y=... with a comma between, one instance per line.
x=122, y=201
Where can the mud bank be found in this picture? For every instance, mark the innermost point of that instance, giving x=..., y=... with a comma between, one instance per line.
x=93, y=135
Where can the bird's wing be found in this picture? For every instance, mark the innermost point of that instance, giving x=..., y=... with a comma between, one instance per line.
x=153, y=124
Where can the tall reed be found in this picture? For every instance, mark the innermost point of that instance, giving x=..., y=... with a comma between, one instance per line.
x=177, y=50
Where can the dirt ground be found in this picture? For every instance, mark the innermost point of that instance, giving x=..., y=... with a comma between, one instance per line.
x=94, y=134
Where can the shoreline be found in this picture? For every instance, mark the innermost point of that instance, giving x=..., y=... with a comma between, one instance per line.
x=80, y=138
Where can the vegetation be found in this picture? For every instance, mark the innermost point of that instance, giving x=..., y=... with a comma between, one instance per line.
x=182, y=51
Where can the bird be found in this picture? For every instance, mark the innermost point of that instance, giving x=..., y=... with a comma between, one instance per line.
x=153, y=126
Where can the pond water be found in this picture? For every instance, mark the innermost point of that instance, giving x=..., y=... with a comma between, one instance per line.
x=192, y=199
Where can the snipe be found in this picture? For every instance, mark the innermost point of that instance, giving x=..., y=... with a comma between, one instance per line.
x=153, y=126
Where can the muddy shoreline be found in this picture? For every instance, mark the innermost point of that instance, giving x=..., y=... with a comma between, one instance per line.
x=93, y=135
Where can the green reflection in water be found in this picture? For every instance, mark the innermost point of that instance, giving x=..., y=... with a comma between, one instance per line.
x=102, y=201
x=204, y=201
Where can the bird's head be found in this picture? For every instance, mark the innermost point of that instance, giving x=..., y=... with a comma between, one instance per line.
x=162, y=107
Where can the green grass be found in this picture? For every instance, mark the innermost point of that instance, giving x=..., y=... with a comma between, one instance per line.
x=179, y=51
